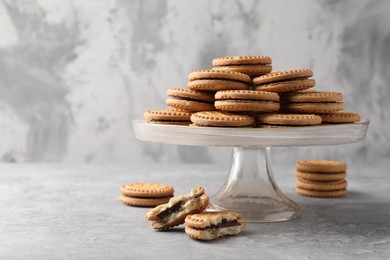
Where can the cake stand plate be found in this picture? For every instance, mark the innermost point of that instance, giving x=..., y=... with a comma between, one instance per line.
x=250, y=188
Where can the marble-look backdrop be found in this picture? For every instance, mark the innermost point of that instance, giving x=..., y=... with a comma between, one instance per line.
x=73, y=74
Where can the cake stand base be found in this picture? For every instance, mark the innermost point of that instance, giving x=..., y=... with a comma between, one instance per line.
x=251, y=189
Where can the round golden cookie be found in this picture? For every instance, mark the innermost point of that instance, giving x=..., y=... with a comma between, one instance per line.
x=317, y=166
x=340, y=117
x=321, y=194
x=287, y=86
x=288, y=119
x=312, y=96
x=219, y=74
x=215, y=85
x=221, y=119
x=282, y=76
x=246, y=95
x=143, y=202
x=247, y=105
x=146, y=190
x=241, y=60
x=167, y=116
x=312, y=176
x=190, y=100
x=251, y=70
x=318, y=108
x=321, y=185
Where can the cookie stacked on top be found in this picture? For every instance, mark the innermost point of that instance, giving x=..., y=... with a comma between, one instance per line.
x=242, y=91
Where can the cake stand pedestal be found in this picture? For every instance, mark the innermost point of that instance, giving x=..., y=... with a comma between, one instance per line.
x=250, y=188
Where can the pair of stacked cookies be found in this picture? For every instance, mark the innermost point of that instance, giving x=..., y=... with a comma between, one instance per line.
x=189, y=209
x=145, y=194
x=321, y=178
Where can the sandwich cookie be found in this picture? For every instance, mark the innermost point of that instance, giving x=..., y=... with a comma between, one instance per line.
x=177, y=209
x=212, y=225
x=288, y=119
x=145, y=194
x=312, y=102
x=221, y=119
x=190, y=100
x=285, y=81
x=340, y=117
x=246, y=100
x=216, y=80
x=321, y=178
x=168, y=116
x=253, y=66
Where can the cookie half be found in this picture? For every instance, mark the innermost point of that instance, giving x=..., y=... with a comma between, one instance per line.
x=190, y=100
x=321, y=193
x=177, y=209
x=215, y=80
x=168, y=116
x=246, y=100
x=288, y=119
x=212, y=225
x=340, y=117
x=320, y=176
x=221, y=119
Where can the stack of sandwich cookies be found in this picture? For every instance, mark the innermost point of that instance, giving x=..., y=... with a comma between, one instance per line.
x=321, y=178
x=253, y=66
x=280, y=119
x=215, y=80
x=212, y=225
x=312, y=102
x=284, y=81
x=221, y=119
x=190, y=100
x=246, y=101
x=177, y=209
x=145, y=194
x=168, y=116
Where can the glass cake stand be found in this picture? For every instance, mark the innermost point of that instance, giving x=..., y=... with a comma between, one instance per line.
x=251, y=188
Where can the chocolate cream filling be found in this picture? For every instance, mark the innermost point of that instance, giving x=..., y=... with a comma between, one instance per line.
x=223, y=224
x=193, y=99
x=174, y=208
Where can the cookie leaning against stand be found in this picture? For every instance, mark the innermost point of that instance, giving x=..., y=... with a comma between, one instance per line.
x=253, y=66
x=285, y=81
x=212, y=225
x=177, y=209
x=145, y=194
x=216, y=80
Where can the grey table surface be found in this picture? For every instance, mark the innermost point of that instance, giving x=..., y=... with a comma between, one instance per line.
x=54, y=211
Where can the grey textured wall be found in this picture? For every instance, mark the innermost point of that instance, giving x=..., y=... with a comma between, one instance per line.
x=73, y=74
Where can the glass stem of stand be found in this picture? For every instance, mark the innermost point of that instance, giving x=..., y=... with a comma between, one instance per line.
x=252, y=190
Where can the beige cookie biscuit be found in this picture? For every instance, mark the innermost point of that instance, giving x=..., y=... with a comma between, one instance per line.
x=213, y=85
x=313, y=176
x=247, y=100
x=283, y=76
x=287, y=86
x=190, y=100
x=322, y=193
x=288, y=119
x=212, y=225
x=146, y=189
x=143, y=202
x=241, y=60
x=312, y=97
x=340, y=117
x=317, y=108
x=221, y=119
x=219, y=74
x=321, y=185
x=325, y=166
x=250, y=70
x=167, y=116
x=177, y=209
